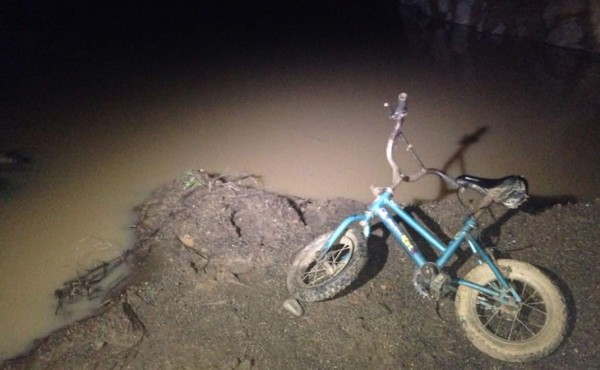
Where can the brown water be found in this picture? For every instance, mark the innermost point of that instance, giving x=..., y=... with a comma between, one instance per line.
x=310, y=125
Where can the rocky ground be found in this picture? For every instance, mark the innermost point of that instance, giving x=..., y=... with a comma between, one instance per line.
x=210, y=279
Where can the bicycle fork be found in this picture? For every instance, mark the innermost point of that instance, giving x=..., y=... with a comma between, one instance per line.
x=506, y=294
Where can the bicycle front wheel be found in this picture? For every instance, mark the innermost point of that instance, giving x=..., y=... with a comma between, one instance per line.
x=318, y=274
x=525, y=331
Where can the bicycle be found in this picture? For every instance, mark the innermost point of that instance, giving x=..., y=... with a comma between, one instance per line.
x=509, y=309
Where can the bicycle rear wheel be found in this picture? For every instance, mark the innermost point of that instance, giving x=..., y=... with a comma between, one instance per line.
x=318, y=274
x=525, y=331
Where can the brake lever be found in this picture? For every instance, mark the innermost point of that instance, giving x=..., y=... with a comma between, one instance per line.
x=390, y=110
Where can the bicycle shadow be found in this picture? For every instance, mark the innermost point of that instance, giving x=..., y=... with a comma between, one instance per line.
x=572, y=314
x=378, y=250
x=459, y=156
x=535, y=205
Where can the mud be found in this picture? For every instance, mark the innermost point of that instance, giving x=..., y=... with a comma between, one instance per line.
x=209, y=282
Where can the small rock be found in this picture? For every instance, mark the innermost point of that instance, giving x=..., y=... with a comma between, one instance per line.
x=293, y=306
x=245, y=364
x=99, y=345
x=187, y=240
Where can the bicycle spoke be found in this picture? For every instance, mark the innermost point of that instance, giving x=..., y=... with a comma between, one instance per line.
x=327, y=266
x=506, y=322
x=340, y=253
x=523, y=325
x=539, y=310
x=512, y=328
x=490, y=318
x=313, y=276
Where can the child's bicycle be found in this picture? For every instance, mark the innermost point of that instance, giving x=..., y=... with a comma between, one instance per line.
x=509, y=309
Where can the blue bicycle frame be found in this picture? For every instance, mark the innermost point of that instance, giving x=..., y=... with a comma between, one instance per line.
x=379, y=208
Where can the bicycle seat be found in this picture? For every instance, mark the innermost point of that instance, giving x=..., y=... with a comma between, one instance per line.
x=511, y=191
x=465, y=180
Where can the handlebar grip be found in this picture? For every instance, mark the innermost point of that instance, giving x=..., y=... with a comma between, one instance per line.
x=402, y=108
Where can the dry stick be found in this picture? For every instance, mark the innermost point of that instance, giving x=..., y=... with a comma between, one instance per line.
x=201, y=255
x=86, y=284
x=196, y=251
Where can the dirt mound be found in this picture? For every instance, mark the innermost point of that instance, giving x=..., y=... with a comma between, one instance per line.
x=212, y=258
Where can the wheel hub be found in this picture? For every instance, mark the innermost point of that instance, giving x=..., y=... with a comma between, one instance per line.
x=510, y=312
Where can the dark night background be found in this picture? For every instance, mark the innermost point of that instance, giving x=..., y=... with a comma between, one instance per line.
x=52, y=50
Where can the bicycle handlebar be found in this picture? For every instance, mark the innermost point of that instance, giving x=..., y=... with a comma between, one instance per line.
x=398, y=176
x=401, y=108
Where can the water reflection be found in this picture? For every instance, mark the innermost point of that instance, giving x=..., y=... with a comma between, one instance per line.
x=308, y=118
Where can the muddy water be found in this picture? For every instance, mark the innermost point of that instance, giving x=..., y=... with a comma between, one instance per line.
x=309, y=125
